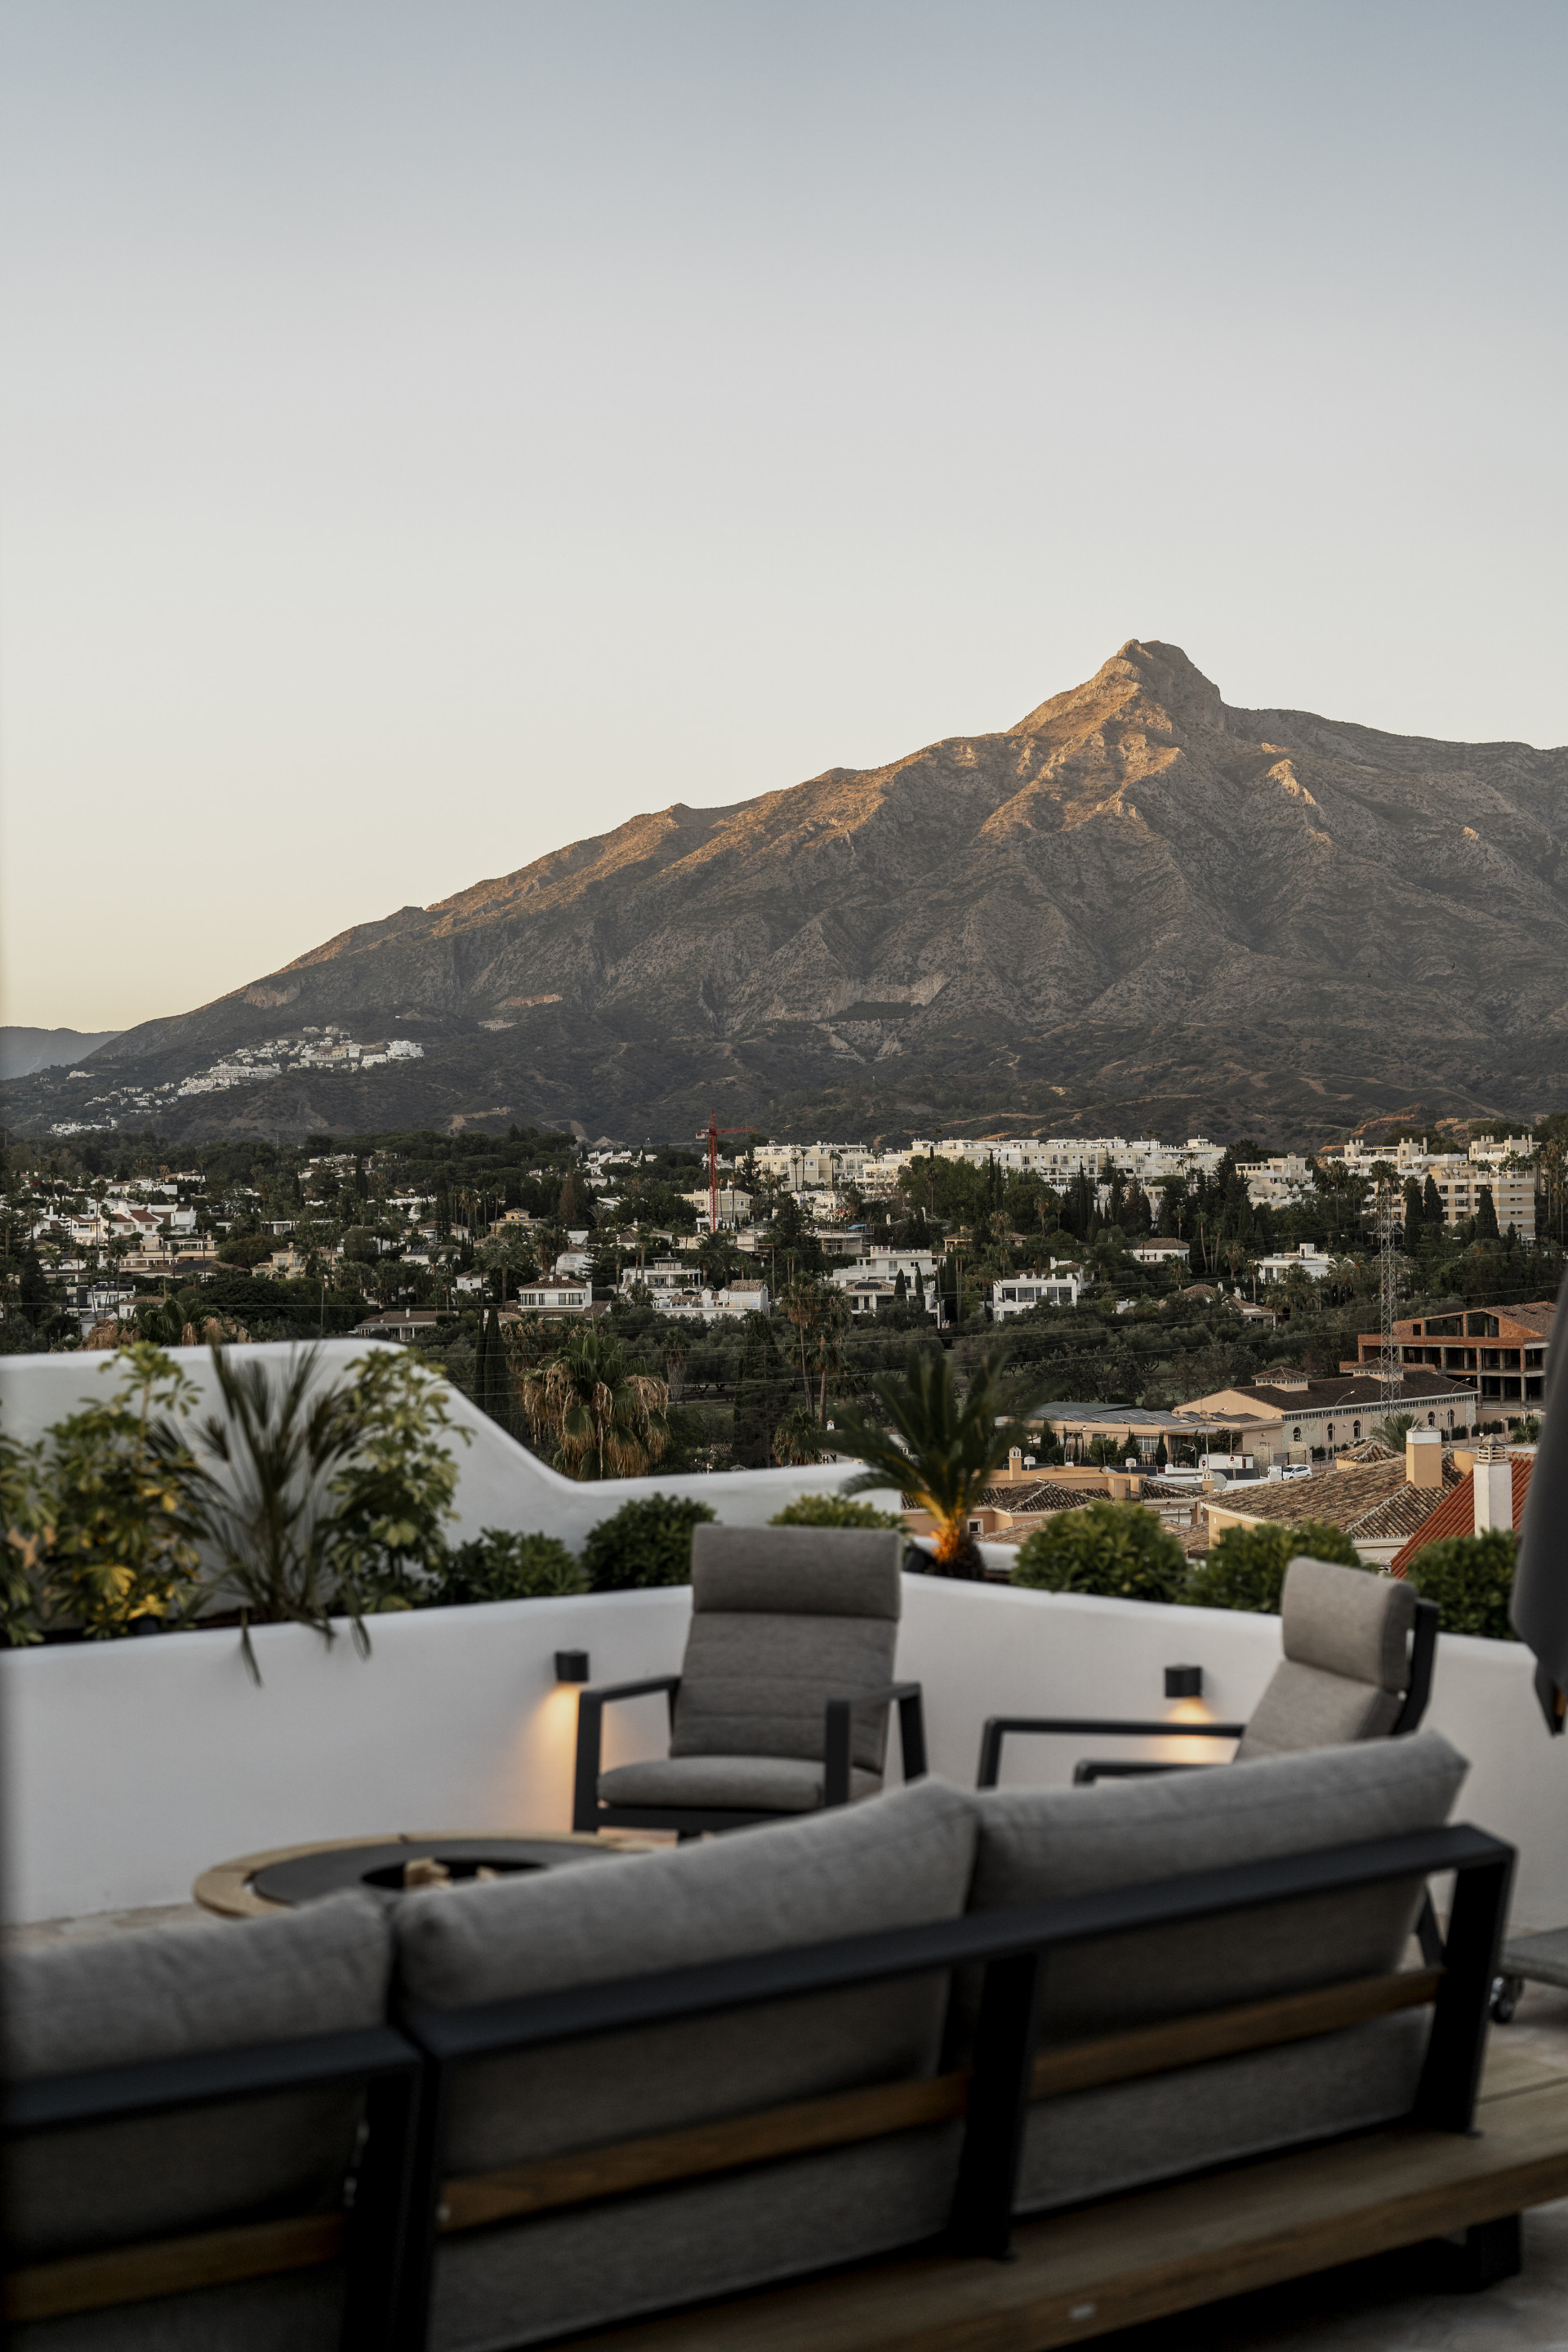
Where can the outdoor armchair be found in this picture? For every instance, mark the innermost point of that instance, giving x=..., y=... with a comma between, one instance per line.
x=781, y=1705
x=1359, y=1651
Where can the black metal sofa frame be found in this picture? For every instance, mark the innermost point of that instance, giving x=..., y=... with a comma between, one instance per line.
x=589, y=1811
x=403, y=2204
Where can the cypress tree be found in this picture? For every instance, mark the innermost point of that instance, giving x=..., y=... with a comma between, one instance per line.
x=1486, y=1215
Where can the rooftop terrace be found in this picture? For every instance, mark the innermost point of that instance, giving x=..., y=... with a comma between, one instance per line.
x=133, y=1766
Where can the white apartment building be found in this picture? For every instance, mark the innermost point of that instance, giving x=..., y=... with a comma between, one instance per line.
x=1018, y=1293
x=1279, y=1181
x=1504, y=1165
x=1307, y=1259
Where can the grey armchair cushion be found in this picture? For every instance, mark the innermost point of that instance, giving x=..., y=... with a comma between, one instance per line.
x=1036, y=1844
x=751, y=1784
x=784, y=1619
x=1346, y=1637
x=163, y=1993
x=903, y=1857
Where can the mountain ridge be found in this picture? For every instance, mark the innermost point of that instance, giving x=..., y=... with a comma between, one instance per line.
x=1136, y=899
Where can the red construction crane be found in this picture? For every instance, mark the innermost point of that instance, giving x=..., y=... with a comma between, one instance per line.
x=711, y=1132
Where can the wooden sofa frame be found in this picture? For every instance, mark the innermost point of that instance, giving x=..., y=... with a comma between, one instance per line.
x=953, y=2295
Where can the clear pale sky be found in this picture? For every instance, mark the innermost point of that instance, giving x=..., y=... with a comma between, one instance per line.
x=437, y=429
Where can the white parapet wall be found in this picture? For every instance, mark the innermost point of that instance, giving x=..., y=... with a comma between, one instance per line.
x=133, y=1765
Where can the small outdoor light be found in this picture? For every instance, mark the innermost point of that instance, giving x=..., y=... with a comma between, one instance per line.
x=572, y=1665
x=1184, y=1682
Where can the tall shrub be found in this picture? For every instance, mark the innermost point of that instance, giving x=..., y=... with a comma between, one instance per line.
x=1245, y=1569
x=1116, y=1549
x=1470, y=1579
x=116, y=1480
x=646, y=1541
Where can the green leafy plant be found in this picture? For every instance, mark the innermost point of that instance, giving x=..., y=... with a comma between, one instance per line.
x=832, y=1511
x=498, y=1564
x=646, y=1541
x=28, y=1537
x=115, y=1481
x=943, y=1448
x=1119, y=1549
x=330, y=1496
x=1470, y=1579
x=1246, y=1569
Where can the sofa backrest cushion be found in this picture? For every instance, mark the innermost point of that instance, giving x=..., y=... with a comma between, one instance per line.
x=784, y=1619
x=1346, y=1637
x=891, y=1862
x=1039, y=1844
x=168, y=1993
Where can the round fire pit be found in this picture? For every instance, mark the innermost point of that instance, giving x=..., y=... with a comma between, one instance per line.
x=387, y=1868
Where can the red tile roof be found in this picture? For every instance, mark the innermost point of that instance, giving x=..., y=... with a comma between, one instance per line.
x=1455, y=1515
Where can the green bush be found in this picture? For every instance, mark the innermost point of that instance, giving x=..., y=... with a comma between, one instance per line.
x=1116, y=1549
x=1469, y=1578
x=645, y=1542
x=1245, y=1569
x=832, y=1511
x=500, y=1564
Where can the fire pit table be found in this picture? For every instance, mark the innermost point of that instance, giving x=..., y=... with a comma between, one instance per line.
x=256, y=1884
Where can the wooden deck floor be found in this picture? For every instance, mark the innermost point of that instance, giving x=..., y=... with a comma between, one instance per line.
x=1140, y=2258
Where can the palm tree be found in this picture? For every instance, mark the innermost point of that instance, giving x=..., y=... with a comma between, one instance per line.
x=798, y=1439
x=606, y=1414
x=942, y=1450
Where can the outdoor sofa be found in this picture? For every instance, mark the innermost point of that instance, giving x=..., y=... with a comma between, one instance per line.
x=839, y=2065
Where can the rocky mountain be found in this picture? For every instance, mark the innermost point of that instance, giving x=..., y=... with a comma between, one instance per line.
x=1138, y=907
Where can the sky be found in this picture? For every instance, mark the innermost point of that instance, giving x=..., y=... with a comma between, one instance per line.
x=435, y=432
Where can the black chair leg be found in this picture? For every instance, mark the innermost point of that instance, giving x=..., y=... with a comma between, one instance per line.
x=1478, y=2257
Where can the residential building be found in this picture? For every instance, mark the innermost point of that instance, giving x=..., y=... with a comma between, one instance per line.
x=1501, y=1351
x=1306, y=1259
x=734, y=1206
x=1277, y=1182
x=1018, y=1293
x=1289, y=1417
x=1159, y=1249
x=1134, y=1429
x=564, y=1297
x=1379, y=1504
x=1490, y=1494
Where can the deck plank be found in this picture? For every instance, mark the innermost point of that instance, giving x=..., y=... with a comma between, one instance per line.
x=1142, y=2257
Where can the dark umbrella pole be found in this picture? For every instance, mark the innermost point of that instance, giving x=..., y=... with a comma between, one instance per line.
x=1539, y=1610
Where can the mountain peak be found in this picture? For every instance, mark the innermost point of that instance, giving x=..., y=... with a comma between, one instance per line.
x=1144, y=670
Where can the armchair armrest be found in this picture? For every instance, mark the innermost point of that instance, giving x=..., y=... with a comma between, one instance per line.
x=1085, y=1727
x=836, y=1740
x=591, y=1705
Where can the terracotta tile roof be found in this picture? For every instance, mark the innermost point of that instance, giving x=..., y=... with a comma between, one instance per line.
x=1370, y=1500
x=1455, y=1514
x=1048, y=1495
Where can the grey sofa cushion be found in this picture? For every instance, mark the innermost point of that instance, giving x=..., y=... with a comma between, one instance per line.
x=899, y=1859
x=758, y=1784
x=601, y=2264
x=161, y=1993
x=784, y=1619
x=1036, y=1844
x=894, y=1861
x=1103, y=2143
x=1346, y=1637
